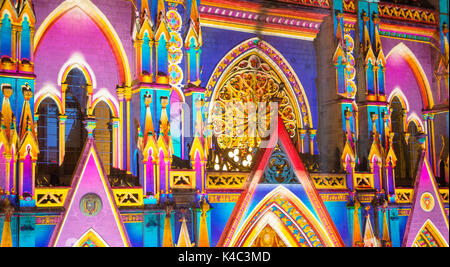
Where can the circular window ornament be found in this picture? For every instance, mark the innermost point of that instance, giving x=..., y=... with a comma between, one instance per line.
x=427, y=202
x=90, y=205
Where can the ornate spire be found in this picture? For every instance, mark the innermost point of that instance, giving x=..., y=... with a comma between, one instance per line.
x=357, y=240
x=203, y=237
x=149, y=130
x=195, y=18
x=183, y=239
x=376, y=36
x=376, y=149
x=27, y=117
x=386, y=238
x=161, y=11
x=339, y=32
x=164, y=126
x=366, y=42
x=349, y=135
x=370, y=240
x=167, y=236
x=199, y=118
x=145, y=10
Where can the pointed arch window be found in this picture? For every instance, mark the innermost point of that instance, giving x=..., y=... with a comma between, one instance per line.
x=75, y=135
x=25, y=40
x=162, y=56
x=103, y=135
x=402, y=172
x=146, y=54
x=5, y=36
x=48, y=140
x=251, y=82
x=414, y=148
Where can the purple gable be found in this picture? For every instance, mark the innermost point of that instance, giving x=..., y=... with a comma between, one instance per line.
x=90, y=204
x=427, y=206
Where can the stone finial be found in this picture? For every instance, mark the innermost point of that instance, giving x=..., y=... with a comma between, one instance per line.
x=27, y=92
x=204, y=207
x=7, y=91
x=91, y=123
x=147, y=99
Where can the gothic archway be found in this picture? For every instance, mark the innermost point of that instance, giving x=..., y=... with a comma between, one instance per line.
x=422, y=81
x=251, y=74
x=429, y=236
x=292, y=222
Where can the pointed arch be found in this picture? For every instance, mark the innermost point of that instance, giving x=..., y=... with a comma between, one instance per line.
x=102, y=23
x=413, y=118
x=105, y=95
x=276, y=61
x=82, y=66
x=419, y=73
x=300, y=226
x=429, y=236
x=90, y=239
x=400, y=96
x=77, y=61
x=271, y=220
x=45, y=95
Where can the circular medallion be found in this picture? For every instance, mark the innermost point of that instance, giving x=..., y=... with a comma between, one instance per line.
x=175, y=41
x=427, y=202
x=90, y=205
x=174, y=20
x=175, y=74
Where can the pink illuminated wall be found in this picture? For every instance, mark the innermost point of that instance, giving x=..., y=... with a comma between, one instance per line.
x=400, y=75
x=405, y=81
x=76, y=38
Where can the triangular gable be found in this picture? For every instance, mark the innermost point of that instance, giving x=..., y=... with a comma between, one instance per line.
x=243, y=206
x=90, y=205
x=370, y=239
x=91, y=239
x=427, y=210
x=183, y=239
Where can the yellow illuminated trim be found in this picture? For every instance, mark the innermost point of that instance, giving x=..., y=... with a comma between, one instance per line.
x=435, y=232
x=51, y=192
x=258, y=10
x=91, y=234
x=252, y=29
x=128, y=191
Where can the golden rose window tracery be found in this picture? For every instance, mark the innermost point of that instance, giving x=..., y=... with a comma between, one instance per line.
x=242, y=112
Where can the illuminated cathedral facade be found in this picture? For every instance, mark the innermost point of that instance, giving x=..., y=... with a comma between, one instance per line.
x=224, y=123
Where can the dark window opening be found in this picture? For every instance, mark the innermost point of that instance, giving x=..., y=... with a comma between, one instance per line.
x=48, y=139
x=75, y=135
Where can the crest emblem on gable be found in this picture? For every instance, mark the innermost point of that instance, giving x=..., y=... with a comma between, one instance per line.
x=90, y=205
x=427, y=202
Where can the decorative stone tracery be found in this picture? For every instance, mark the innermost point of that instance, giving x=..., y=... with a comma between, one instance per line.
x=243, y=108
